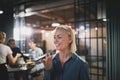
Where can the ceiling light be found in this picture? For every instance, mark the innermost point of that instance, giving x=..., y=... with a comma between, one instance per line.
x=96, y=28
x=104, y=19
x=1, y=12
x=54, y=24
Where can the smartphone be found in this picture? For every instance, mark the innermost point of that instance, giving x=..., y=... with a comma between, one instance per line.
x=42, y=56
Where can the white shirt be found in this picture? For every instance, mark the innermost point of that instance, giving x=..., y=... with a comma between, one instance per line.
x=4, y=51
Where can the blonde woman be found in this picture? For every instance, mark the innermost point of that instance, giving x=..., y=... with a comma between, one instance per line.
x=5, y=52
x=66, y=64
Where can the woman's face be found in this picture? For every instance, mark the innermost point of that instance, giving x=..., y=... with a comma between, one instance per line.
x=3, y=39
x=62, y=40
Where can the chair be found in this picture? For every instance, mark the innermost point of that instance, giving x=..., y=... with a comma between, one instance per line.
x=36, y=74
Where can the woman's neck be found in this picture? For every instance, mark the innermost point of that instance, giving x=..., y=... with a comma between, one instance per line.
x=64, y=53
x=64, y=56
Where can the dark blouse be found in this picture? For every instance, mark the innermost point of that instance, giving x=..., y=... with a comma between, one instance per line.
x=15, y=51
x=74, y=69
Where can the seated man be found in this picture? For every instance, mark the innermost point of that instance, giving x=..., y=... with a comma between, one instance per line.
x=35, y=52
x=15, y=50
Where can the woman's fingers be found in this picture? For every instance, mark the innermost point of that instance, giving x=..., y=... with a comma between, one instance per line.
x=47, y=61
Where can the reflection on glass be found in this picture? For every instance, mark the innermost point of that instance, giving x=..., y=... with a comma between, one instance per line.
x=93, y=32
x=104, y=31
x=93, y=47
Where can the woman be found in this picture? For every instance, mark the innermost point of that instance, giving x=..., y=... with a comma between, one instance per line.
x=5, y=52
x=66, y=64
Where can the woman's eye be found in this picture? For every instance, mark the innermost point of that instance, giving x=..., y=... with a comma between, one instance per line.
x=59, y=36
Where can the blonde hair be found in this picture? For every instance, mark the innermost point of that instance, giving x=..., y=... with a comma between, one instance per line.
x=2, y=35
x=70, y=33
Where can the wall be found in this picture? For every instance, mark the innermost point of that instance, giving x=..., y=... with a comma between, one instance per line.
x=6, y=20
x=113, y=40
x=48, y=37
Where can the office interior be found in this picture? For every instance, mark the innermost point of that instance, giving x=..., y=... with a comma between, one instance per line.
x=95, y=23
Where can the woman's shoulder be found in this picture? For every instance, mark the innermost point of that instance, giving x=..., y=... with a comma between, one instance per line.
x=80, y=61
x=4, y=46
x=79, y=58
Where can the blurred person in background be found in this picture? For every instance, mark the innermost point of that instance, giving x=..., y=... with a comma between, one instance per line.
x=5, y=52
x=16, y=50
x=66, y=64
x=35, y=52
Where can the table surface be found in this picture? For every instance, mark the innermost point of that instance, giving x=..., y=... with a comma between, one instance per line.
x=22, y=68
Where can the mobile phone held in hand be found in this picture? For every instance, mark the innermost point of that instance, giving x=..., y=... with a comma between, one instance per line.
x=42, y=56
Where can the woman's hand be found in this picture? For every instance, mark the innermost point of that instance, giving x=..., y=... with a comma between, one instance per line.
x=47, y=61
x=12, y=59
x=18, y=55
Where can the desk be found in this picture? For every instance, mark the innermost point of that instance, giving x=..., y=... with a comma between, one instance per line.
x=25, y=69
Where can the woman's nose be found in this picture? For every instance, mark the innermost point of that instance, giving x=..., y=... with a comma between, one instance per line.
x=55, y=40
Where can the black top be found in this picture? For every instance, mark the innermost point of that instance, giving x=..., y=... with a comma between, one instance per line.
x=15, y=51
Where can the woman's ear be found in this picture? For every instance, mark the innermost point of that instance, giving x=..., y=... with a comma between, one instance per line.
x=70, y=40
